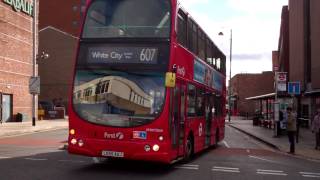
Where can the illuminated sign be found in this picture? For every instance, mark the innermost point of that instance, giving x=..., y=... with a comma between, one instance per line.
x=136, y=55
x=21, y=6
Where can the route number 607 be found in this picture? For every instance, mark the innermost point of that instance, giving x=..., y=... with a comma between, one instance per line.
x=147, y=54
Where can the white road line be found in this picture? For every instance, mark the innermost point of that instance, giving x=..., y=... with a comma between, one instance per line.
x=273, y=171
x=35, y=159
x=73, y=161
x=256, y=157
x=192, y=165
x=186, y=167
x=270, y=173
x=311, y=176
x=311, y=173
x=226, y=144
x=3, y=157
x=228, y=168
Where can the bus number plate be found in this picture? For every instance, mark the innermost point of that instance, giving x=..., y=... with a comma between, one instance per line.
x=112, y=154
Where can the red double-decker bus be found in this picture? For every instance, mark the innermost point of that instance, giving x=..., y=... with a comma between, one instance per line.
x=149, y=84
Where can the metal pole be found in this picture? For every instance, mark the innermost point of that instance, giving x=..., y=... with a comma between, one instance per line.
x=34, y=73
x=229, y=99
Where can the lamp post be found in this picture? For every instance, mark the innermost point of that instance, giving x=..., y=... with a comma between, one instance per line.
x=34, y=54
x=229, y=88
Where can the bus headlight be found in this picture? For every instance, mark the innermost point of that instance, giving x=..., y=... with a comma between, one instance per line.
x=156, y=147
x=80, y=143
x=73, y=141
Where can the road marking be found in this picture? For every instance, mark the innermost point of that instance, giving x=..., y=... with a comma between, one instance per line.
x=256, y=157
x=35, y=159
x=188, y=166
x=271, y=172
x=225, y=169
x=310, y=174
x=73, y=161
x=226, y=144
x=274, y=171
x=3, y=157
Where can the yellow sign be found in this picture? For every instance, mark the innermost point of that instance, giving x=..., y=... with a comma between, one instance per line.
x=170, y=79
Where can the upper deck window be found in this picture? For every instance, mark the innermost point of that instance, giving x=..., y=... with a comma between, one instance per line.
x=128, y=18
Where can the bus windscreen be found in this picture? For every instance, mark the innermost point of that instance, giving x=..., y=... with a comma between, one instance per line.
x=128, y=19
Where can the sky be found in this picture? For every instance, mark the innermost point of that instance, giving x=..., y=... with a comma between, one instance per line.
x=255, y=28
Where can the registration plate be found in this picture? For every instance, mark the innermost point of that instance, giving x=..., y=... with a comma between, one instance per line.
x=112, y=154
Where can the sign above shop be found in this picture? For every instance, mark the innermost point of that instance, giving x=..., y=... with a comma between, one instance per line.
x=21, y=6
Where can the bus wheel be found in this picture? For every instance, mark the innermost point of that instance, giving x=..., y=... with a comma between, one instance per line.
x=188, y=149
x=216, y=139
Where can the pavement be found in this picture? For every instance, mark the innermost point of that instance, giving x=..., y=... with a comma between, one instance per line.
x=304, y=147
x=21, y=128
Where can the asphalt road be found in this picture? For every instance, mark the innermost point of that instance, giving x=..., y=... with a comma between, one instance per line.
x=36, y=157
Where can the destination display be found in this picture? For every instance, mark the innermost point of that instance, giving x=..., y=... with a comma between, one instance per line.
x=135, y=55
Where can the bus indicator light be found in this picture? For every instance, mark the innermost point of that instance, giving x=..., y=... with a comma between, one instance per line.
x=161, y=138
x=72, y=132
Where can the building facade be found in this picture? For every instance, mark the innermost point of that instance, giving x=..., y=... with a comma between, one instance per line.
x=302, y=62
x=249, y=85
x=16, y=59
x=58, y=37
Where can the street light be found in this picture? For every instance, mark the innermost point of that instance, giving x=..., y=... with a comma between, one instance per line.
x=34, y=69
x=229, y=88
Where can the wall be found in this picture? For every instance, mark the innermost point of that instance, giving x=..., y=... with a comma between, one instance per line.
x=16, y=57
x=249, y=85
x=56, y=71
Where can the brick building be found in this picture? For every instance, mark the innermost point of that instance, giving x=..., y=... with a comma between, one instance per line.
x=16, y=62
x=249, y=85
x=302, y=39
x=58, y=37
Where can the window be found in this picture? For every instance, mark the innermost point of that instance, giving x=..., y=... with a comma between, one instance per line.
x=201, y=44
x=218, y=106
x=75, y=8
x=102, y=87
x=200, y=102
x=182, y=28
x=109, y=19
x=209, y=57
x=218, y=63
x=195, y=38
x=191, y=100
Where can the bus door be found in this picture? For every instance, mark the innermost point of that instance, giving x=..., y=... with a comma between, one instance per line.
x=177, y=123
x=208, y=115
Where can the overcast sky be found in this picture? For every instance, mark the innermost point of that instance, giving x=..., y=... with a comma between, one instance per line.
x=255, y=25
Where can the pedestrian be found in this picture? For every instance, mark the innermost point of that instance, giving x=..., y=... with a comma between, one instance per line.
x=315, y=127
x=291, y=128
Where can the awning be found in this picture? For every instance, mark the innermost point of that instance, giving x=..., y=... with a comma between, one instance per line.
x=264, y=96
x=312, y=92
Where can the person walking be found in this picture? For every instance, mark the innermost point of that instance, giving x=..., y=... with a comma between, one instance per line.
x=315, y=127
x=291, y=128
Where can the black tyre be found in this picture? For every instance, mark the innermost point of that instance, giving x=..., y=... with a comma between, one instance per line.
x=188, y=149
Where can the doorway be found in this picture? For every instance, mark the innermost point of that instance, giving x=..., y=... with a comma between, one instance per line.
x=6, y=108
